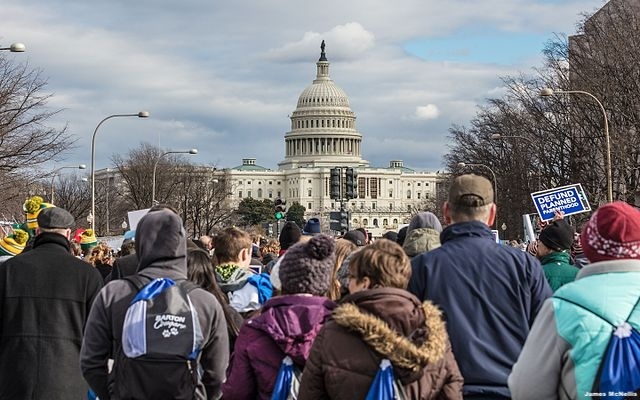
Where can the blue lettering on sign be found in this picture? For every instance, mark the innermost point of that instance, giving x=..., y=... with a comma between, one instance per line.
x=568, y=199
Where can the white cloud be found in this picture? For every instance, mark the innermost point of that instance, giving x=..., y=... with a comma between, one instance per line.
x=223, y=76
x=430, y=111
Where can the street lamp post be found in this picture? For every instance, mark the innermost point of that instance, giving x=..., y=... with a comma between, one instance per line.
x=495, y=184
x=15, y=48
x=547, y=92
x=54, y=173
x=141, y=114
x=155, y=168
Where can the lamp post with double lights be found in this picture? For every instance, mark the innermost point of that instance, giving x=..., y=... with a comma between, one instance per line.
x=92, y=216
x=55, y=172
x=495, y=184
x=547, y=92
x=15, y=48
x=155, y=168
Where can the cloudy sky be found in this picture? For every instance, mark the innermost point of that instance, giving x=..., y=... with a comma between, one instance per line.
x=223, y=76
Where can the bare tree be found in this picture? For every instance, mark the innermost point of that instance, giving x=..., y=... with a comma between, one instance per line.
x=25, y=139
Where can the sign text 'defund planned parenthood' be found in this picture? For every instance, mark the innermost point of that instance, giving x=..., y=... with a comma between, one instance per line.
x=568, y=199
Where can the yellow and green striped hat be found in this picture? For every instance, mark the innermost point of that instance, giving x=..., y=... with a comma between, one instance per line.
x=32, y=208
x=13, y=244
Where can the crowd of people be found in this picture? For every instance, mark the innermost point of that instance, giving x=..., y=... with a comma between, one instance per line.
x=453, y=313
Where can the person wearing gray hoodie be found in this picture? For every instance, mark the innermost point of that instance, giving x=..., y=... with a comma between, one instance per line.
x=162, y=250
x=423, y=234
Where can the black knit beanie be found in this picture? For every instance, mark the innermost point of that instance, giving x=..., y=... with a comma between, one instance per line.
x=289, y=235
x=558, y=235
x=307, y=267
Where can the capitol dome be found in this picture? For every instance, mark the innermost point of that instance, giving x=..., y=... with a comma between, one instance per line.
x=323, y=126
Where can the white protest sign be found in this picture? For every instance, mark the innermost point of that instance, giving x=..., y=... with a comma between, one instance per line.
x=569, y=199
x=135, y=216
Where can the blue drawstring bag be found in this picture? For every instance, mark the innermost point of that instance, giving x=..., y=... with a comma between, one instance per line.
x=384, y=385
x=618, y=375
x=619, y=372
x=287, y=382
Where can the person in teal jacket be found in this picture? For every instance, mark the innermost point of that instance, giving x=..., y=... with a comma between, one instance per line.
x=553, y=251
x=562, y=354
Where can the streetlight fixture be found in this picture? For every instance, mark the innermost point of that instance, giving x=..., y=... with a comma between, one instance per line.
x=495, y=183
x=55, y=172
x=15, y=48
x=547, y=92
x=141, y=114
x=155, y=168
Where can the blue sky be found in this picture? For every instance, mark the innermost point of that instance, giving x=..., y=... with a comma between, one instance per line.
x=224, y=76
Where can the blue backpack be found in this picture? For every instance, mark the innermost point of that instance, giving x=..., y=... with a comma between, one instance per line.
x=618, y=375
x=161, y=342
x=384, y=385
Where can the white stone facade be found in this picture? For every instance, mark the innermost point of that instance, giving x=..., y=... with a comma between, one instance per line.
x=323, y=135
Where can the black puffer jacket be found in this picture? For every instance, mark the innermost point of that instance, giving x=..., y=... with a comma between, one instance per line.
x=45, y=298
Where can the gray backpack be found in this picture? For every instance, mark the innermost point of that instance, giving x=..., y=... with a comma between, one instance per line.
x=161, y=342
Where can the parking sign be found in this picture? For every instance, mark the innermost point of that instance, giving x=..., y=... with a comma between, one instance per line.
x=569, y=199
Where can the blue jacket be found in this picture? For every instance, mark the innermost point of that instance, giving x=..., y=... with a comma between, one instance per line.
x=490, y=295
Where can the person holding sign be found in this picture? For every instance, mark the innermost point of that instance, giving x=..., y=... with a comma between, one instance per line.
x=553, y=251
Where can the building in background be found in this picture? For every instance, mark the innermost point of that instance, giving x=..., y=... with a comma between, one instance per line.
x=323, y=135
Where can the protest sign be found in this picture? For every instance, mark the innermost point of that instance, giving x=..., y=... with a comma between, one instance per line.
x=569, y=199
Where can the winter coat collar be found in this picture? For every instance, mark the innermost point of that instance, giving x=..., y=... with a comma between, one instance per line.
x=556, y=257
x=466, y=229
x=393, y=323
x=51, y=238
x=605, y=267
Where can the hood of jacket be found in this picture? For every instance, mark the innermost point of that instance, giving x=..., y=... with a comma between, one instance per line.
x=396, y=325
x=293, y=321
x=161, y=244
x=420, y=240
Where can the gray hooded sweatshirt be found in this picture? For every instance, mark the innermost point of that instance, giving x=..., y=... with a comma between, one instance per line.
x=161, y=247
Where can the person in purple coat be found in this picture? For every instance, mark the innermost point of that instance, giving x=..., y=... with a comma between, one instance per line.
x=287, y=324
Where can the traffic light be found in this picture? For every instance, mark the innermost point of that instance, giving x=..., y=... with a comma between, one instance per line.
x=351, y=183
x=335, y=183
x=344, y=219
x=280, y=209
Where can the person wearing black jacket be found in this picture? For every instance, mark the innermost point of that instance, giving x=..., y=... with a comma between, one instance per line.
x=45, y=297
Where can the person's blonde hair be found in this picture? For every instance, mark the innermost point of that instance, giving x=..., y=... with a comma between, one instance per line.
x=384, y=262
x=343, y=249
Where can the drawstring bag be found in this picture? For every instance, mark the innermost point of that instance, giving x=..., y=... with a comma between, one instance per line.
x=618, y=375
x=287, y=382
x=384, y=385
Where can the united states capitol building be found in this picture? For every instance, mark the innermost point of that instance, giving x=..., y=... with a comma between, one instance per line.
x=323, y=134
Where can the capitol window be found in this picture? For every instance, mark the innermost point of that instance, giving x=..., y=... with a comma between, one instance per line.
x=249, y=193
x=240, y=193
x=259, y=193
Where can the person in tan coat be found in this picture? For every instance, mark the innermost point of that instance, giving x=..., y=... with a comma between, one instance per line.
x=381, y=320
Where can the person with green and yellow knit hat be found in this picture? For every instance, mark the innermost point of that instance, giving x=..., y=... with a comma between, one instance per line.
x=32, y=207
x=12, y=245
x=88, y=240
